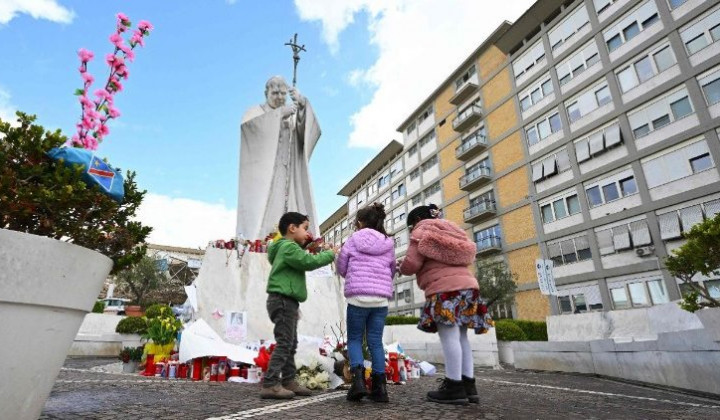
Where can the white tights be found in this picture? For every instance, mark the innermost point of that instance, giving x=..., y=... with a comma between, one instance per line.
x=457, y=351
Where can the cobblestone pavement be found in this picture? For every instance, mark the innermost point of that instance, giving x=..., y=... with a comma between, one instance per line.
x=83, y=393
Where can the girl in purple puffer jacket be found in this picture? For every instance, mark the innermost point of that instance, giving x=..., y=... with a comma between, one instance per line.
x=367, y=261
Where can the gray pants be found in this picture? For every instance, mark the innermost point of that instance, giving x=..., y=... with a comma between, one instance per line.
x=283, y=313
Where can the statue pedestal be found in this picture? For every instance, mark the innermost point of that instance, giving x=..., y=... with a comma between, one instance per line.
x=226, y=284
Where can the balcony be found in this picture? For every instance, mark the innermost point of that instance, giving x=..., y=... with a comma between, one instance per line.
x=464, y=92
x=467, y=118
x=488, y=246
x=471, y=146
x=480, y=211
x=475, y=178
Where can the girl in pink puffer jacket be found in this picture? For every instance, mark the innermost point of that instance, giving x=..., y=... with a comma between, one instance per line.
x=367, y=261
x=439, y=255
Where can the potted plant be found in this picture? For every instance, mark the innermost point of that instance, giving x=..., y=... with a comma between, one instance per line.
x=130, y=356
x=699, y=255
x=131, y=330
x=162, y=329
x=60, y=236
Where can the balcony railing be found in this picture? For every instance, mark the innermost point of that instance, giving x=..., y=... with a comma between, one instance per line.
x=475, y=178
x=464, y=91
x=471, y=146
x=479, y=211
x=467, y=118
x=489, y=245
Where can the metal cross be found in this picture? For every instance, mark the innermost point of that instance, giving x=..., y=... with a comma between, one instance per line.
x=296, y=55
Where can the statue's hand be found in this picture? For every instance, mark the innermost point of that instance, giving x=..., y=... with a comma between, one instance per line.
x=297, y=98
x=288, y=110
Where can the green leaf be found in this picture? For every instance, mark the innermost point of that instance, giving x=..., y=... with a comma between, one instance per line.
x=79, y=92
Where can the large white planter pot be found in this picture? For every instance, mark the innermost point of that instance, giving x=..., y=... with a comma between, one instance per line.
x=46, y=288
x=710, y=318
x=505, y=352
x=131, y=340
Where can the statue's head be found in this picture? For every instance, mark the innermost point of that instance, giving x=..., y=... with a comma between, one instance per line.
x=276, y=91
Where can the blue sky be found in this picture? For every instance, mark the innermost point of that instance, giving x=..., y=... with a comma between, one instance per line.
x=206, y=62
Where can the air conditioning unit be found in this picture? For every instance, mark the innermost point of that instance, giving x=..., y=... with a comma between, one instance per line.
x=645, y=251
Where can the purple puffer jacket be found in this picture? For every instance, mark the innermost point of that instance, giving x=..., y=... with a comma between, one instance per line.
x=367, y=261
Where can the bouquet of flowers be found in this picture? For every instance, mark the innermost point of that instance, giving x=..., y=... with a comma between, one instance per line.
x=313, y=376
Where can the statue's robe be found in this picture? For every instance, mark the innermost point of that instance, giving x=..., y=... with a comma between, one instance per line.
x=274, y=155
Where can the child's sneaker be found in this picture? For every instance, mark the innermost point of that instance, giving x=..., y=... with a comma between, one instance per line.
x=276, y=392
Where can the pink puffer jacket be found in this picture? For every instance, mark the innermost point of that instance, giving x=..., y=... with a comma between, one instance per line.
x=439, y=254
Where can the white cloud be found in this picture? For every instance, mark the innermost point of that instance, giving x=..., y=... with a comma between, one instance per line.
x=38, y=9
x=185, y=222
x=419, y=42
x=7, y=109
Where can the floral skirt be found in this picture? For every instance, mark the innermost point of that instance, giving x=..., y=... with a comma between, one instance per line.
x=463, y=308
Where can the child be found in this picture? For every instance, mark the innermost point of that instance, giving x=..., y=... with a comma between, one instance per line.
x=286, y=289
x=367, y=261
x=439, y=253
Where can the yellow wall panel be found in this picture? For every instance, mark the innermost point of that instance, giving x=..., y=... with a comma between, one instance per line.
x=512, y=187
x=497, y=88
x=518, y=225
x=502, y=119
x=507, y=152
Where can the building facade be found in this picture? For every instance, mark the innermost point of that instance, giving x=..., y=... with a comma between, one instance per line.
x=585, y=133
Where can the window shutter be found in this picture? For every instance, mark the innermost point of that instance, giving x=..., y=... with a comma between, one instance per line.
x=612, y=136
x=549, y=166
x=640, y=233
x=690, y=217
x=537, y=170
x=582, y=151
x=605, y=242
x=712, y=208
x=621, y=238
x=596, y=143
x=669, y=226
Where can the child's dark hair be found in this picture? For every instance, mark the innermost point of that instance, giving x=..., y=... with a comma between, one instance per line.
x=373, y=217
x=290, y=218
x=421, y=213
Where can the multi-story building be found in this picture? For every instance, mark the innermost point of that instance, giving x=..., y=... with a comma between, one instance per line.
x=586, y=133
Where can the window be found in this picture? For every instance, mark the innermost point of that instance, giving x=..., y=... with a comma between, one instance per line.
x=664, y=59
x=701, y=163
x=398, y=192
x=543, y=128
x=425, y=114
x=702, y=32
x=551, y=165
x=560, y=208
x=598, y=142
x=663, y=111
x=428, y=164
x=578, y=63
x=431, y=190
x=588, y=101
x=644, y=69
x=460, y=81
x=566, y=29
x=487, y=238
x=414, y=174
x=638, y=293
x=569, y=251
x=427, y=139
x=410, y=128
x=623, y=237
x=603, y=5
x=674, y=4
x=417, y=199
x=606, y=192
x=412, y=150
x=630, y=25
x=383, y=180
x=677, y=163
x=710, y=84
x=483, y=200
x=535, y=93
x=533, y=56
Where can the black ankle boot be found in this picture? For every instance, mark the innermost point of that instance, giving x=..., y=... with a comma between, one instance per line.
x=471, y=390
x=357, y=387
x=379, y=388
x=450, y=392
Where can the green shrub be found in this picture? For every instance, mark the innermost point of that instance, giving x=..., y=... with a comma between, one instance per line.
x=131, y=325
x=401, y=320
x=157, y=309
x=507, y=330
x=534, y=330
x=99, y=307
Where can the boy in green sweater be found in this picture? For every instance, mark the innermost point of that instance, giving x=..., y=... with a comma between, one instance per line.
x=286, y=289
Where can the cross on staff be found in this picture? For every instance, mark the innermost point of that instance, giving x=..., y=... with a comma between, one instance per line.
x=296, y=55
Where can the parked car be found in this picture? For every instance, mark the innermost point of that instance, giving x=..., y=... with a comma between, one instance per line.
x=115, y=305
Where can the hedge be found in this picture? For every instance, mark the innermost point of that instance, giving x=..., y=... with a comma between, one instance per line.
x=153, y=311
x=98, y=307
x=520, y=330
x=507, y=330
x=401, y=320
x=131, y=325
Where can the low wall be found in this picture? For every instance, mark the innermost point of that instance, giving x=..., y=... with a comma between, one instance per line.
x=622, y=325
x=97, y=336
x=425, y=346
x=684, y=359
